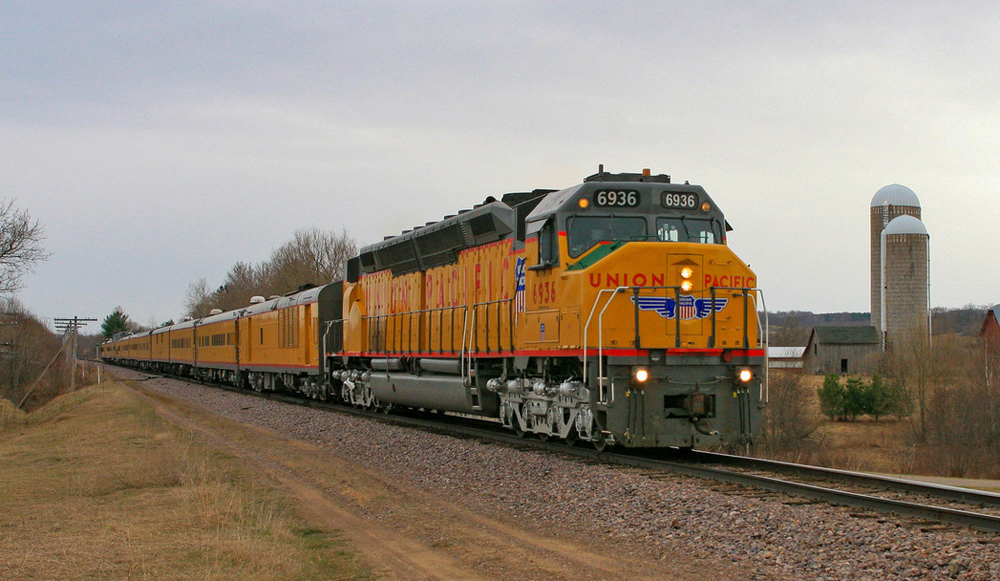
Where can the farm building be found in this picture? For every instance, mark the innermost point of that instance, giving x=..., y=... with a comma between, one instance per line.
x=841, y=350
x=990, y=332
x=785, y=357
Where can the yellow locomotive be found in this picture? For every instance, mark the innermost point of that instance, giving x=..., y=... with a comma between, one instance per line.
x=611, y=312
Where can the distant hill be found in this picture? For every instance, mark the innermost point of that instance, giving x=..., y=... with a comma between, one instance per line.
x=792, y=328
x=965, y=321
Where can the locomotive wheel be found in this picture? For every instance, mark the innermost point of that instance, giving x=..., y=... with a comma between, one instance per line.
x=543, y=437
x=601, y=442
x=571, y=438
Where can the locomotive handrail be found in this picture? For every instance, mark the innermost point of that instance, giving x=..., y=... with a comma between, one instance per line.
x=382, y=344
x=600, y=336
x=470, y=339
x=766, y=387
x=499, y=334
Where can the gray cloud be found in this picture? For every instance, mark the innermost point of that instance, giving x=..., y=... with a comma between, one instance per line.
x=160, y=144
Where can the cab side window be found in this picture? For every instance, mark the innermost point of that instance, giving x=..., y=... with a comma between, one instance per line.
x=548, y=245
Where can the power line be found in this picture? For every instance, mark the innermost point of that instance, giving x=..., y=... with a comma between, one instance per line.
x=70, y=329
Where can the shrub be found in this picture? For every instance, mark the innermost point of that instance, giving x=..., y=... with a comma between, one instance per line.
x=832, y=397
x=856, y=397
x=787, y=420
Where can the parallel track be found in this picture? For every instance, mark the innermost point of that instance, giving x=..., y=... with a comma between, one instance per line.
x=700, y=468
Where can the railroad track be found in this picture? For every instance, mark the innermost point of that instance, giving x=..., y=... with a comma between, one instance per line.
x=871, y=492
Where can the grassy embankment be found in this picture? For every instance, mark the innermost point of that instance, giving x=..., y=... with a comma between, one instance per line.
x=96, y=486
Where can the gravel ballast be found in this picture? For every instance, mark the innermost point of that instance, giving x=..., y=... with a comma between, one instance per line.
x=620, y=506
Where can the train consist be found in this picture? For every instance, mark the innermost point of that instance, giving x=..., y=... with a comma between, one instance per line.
x=611, y=312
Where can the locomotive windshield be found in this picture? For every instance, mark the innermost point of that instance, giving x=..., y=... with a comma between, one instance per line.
x=586, y=231
x=702, y=231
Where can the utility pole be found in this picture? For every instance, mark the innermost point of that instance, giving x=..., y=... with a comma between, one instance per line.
x=70, y=329
x=8, y=348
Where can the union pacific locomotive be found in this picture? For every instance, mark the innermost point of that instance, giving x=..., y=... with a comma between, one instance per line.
x=611, y=312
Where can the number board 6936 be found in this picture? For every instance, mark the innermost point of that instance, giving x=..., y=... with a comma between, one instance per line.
x=618, y=199
x=680, y=200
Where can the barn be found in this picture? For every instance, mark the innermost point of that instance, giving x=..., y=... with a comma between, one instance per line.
x=990, y=331
x=841, y=349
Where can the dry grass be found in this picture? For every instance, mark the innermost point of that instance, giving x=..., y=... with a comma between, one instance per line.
x=886, y=446
x=96, y=486
x=10, y=417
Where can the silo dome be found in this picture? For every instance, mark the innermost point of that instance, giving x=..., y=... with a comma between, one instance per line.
x=905, y=225
x=895, y=195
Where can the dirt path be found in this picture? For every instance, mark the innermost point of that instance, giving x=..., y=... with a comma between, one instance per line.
x=402, y=532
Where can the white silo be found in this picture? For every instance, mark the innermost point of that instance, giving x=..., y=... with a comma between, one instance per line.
x=888, y=203
x=905, y=280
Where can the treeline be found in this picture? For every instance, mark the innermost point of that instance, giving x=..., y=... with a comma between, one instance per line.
x=29, y=348
x=792, y=328
x=312, y=256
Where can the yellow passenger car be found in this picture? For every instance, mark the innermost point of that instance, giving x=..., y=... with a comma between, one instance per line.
x=216, y=338
x=183, y=348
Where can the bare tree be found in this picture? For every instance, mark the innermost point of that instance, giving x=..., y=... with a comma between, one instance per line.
x=27, y=347
x=311, y=257
x=242, y=282
x=789, y=418
x=198, y=301
x=20, y=246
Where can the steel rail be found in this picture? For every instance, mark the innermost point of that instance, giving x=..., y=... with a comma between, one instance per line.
x=938, y=491
x=973, y=520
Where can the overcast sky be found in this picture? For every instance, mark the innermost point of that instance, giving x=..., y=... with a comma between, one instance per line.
x=160, y=142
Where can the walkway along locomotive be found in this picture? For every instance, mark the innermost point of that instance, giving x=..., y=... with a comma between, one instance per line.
x=611, y=312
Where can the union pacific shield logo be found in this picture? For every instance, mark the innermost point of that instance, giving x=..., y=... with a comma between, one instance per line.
x=687, y=308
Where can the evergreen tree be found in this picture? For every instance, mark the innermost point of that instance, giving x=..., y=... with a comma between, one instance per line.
x=115, y=323
x=856, y=398
x=832, y=397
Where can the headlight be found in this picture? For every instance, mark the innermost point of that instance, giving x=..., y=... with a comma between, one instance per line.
x=641, y=375
x=745, y=375
x=686, y=273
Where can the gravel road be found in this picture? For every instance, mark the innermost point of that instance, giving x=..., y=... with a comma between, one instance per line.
x=621, y=508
